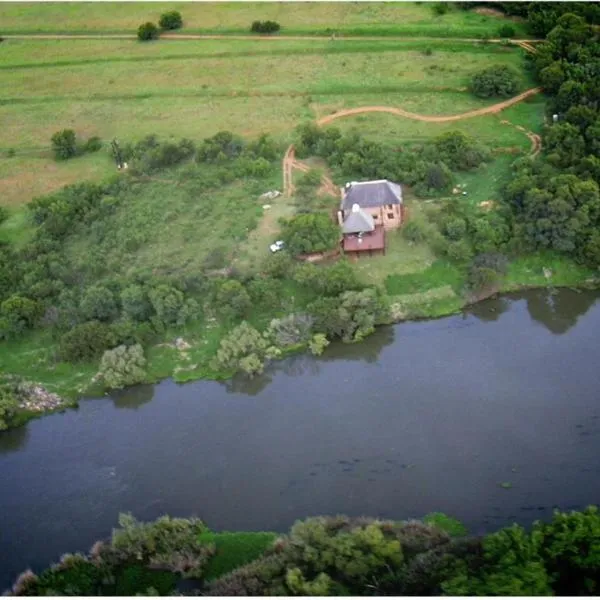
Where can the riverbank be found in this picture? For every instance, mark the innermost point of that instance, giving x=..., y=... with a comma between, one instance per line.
x=183, y=357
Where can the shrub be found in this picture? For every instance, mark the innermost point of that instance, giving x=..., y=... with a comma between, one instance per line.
x=440, y=8
x=64, y=144
x=93, y=144
x=279, y=264
x=9, y=405
x=148, y=31
x=220, y=148
x=166, y=544
x=290, y=330
x=86, y=341
x=306, y=233
x=481, y=278
x=266, y=292
x=506, y=31
x=98, y=304
x=171, y=20
x=459, y=151
x=232, y=299
x=264, y=27
x=18, y=313
x=438, y=177
x=415, y=231
x=459, y=251
x=498, y=80
x=10, y=153
x=318, y=343
x=135, y=303
x=445, y=523
x=3, y=214
x=170, y=306
x=243, y=348
x=124, y=365
x=455, y=228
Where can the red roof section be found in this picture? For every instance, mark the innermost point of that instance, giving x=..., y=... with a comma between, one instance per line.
x=374, y=240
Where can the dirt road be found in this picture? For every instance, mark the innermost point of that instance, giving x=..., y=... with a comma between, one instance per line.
x=290, y=162
x=272, y=38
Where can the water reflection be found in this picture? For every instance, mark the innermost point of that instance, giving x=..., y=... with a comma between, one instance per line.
x=558, y=311
x=368, y=350
x=490, y=310
x=13, y=439
x=133, y=397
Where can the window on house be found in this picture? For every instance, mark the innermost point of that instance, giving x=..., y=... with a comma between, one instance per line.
x=390, y=215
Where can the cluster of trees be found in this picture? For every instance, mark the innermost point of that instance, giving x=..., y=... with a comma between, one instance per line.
x=425, y=167
x=555, y=199
x=168, y=21
x=65, y=145
x=341, y=308
x=342, y=556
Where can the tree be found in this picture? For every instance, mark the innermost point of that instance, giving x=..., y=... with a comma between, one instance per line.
x=318, y=343
x=171, y=20
x=498, y=80
x=232, y=299
x=459, y=151
x=308, y=233
x=64, y=144
x=290, y=330
x=506, y=31
x=86, y=341
x=98, y=303
x=18, y=313
x=243, y=348
x=8, y=407
x=170, y=306
x=135, y=302
x=122, y=366
x=148, y=31
x=570, y=549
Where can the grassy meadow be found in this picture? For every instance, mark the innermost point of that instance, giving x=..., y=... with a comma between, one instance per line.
x=125, y=89
x=369, y=18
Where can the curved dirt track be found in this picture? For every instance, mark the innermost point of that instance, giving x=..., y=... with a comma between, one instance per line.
x=488, y=110
x=290, y=162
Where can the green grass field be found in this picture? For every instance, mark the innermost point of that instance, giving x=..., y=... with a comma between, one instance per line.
x=376, y=18
x=124, y=89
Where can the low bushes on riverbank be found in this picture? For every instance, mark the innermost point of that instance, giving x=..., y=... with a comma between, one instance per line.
x=334, y=556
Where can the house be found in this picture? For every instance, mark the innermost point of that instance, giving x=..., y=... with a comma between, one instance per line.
x=367, y=210
x=381, y=199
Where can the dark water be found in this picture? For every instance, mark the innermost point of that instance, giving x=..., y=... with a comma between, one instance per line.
x=421, y=417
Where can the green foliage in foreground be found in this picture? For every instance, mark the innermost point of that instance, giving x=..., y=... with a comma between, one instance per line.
x=335, y=556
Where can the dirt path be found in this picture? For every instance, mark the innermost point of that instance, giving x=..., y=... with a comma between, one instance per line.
x=272, y=38
x=290, y=162
x=488, y=110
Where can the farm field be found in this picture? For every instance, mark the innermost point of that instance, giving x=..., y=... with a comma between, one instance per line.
x=194, y=89
x=376, y=18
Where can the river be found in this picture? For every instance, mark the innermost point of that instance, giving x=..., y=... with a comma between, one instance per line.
x=424, y=416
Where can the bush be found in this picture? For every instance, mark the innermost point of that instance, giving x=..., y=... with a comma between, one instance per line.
x=86, y=341
x=266, y=292
x=506, y=31
x=307, y=233
x=3, y=214
x=93, y=144
x=148, y=31
x=415, y=231
x=440, y=8
x=279, y=264
x=170, y=20
x=244, y=348
x=220, y=148
x=481, y=278
x=166, y=544
x=232, y=299
x=264, y=27
x=460, y=251
x=124, y=365
x=290, y=330
x=170, y=306
x=438, y=177
x=64, y=144
x=460, y=152
x=98, y=304
x=135, y=303
x=8, y=407
x=498, y=80
x=17, y=314
x=318, y=343
x=455, y=228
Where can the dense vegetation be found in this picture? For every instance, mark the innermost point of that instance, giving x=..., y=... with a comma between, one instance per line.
x=332, y=556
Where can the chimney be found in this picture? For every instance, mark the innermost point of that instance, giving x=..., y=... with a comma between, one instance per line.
x=355, y=208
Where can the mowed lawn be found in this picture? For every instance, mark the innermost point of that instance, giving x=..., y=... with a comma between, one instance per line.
x=377, y=18
x=127, y=90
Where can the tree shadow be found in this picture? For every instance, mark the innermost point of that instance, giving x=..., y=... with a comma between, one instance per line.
x=134, y=397
x=559, y=310
x=13, y=440
x=489, y=310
